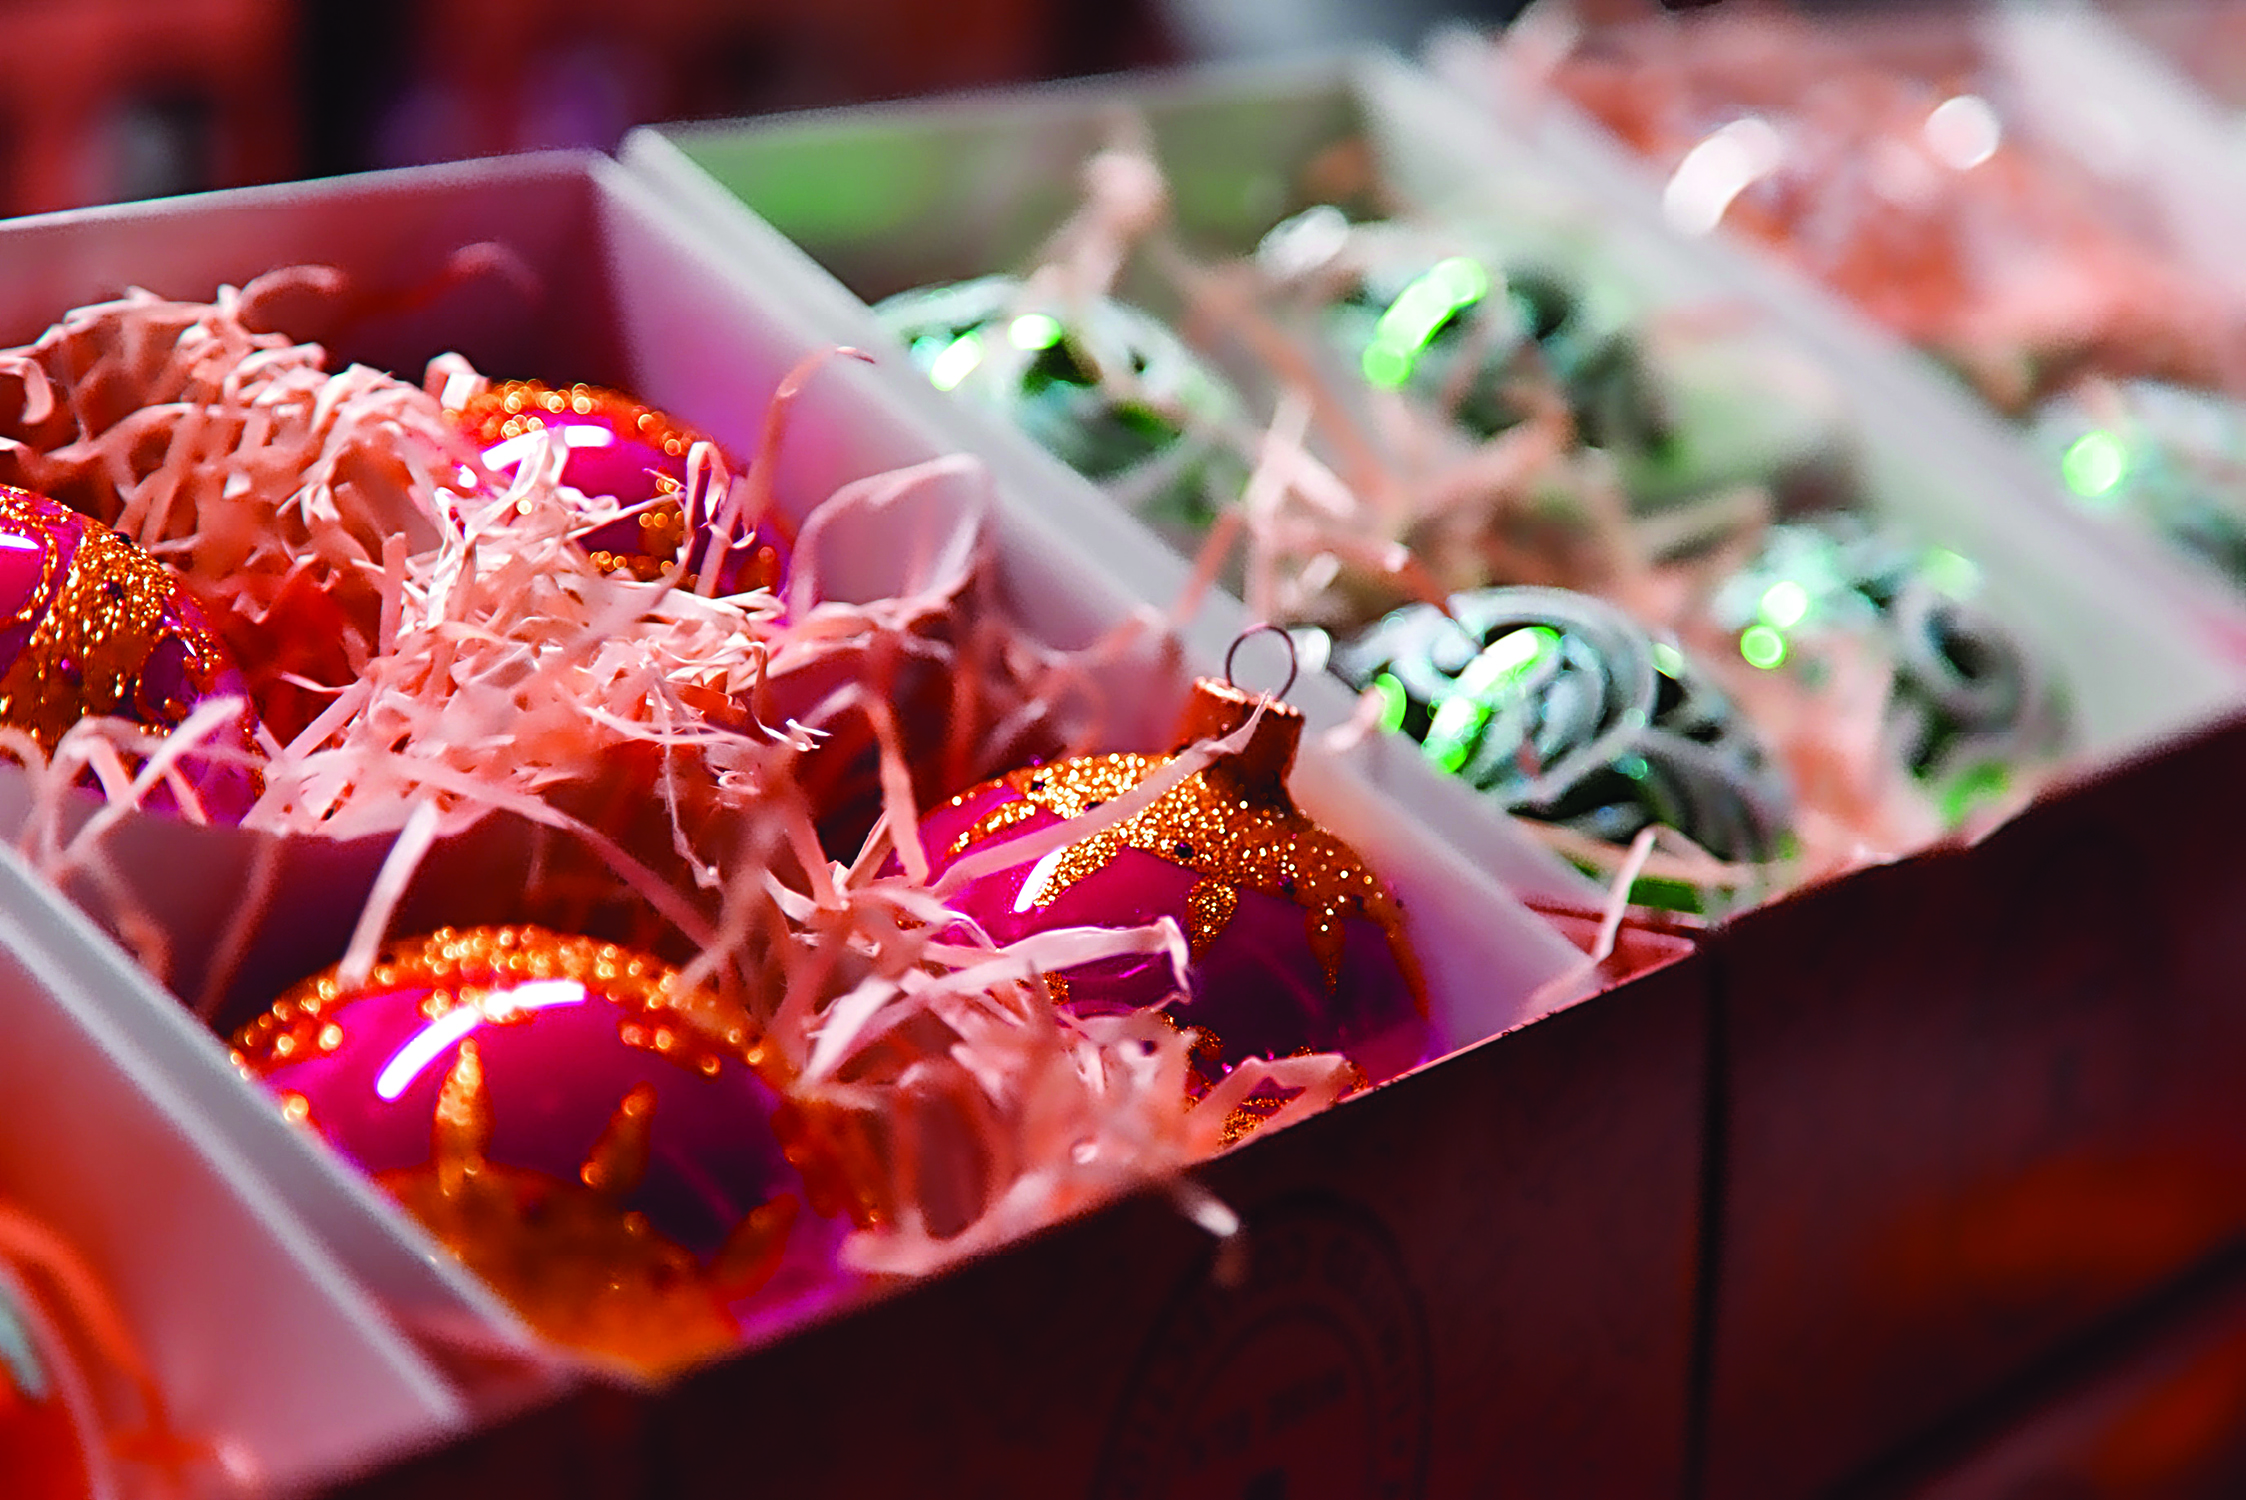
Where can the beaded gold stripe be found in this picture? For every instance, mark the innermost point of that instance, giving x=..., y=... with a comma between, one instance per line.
x=514, y=407
x=478, y=966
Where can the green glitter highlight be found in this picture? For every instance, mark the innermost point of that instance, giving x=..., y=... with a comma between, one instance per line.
x=1507, y=658
x=1034, y=331
x=1464, y=714
x=1785, y=604
x=1450, y=738
x=1762, y=646
x=1973, y=790
x=1951, y=573
x=1394, y=701
x=957, y=362
x=2095, y=465
x=1419, y=312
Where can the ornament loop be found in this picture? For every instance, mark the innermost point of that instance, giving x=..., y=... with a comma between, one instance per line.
x=1294, y=661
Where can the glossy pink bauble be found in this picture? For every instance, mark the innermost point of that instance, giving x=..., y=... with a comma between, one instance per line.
x=596, y=1145
x=92, y=625
x=635, y=453
x=1295, y=945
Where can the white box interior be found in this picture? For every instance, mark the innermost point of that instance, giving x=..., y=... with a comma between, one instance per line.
x=259, y=1338
x=634, y=297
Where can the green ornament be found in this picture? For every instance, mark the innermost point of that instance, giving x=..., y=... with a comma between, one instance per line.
x=2170, y=459
x=1564, y=710
x=1454, y=327
x=1968, y=701
x=1103, y=387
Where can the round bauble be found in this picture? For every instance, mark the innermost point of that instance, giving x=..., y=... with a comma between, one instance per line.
x=596, y=1144
x=1100, y=385
x=619, y=447
x=93, y=625
x=1560, y=707
x=1968, y=700
x=1296, y=946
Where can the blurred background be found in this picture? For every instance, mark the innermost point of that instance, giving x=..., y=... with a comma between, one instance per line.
x=107, y=100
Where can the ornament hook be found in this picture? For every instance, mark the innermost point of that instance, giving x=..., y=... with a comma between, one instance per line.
x=1294, y=660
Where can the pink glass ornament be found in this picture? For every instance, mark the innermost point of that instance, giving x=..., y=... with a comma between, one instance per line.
x=621, y=448
x=92, y=625
x=599, y=1147
x=1296, y=946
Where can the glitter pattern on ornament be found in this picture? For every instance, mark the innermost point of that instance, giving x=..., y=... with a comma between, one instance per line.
x=1099, y=384
x=620, y=448
x=590, y=1139
x=1565, y=711
x=1293, y=944
x=93, y=626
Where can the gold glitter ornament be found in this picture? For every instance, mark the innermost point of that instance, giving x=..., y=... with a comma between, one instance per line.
x=92, y=625
x=1294, y=942
x=619, y=447
x=595, y=1143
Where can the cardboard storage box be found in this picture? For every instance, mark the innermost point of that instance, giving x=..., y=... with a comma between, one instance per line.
x=1525, y=1212
x=1971, y=1123
x=2153, y=1409
x=1969, y=1105
x=2074, y=87
x=1974, y=1105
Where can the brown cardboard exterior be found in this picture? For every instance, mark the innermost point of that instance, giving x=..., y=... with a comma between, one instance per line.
x=1975, y=1104
x=2157, y=1412
x=1476, y=1281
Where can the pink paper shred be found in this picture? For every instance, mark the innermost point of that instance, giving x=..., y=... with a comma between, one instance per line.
x=485, y=667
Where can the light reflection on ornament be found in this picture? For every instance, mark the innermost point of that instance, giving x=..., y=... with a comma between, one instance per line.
x=514, y=450
x=435, y=1039
x=2095, y=464
x=1762, y=647
x=1784, y=604
x=1395, y=702
x=1718, y=170
x=1420, y=311
x=1951, y=573
x=1963, y=132
x=956, y=363
x=19, y=1357
x=1034, y=331
x=51, y=1440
